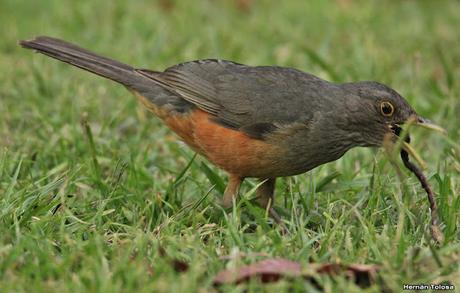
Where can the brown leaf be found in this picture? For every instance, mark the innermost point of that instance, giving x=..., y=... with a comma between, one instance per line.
x=362, y=274
x=271, y=270
x=268, y=270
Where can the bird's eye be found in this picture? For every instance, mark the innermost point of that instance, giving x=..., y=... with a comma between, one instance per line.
x=387, y=109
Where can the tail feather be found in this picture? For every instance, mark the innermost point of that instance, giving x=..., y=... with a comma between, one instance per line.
x=108, y=68
x=86, y=60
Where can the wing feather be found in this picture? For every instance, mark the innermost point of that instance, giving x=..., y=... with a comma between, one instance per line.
x=257, y=100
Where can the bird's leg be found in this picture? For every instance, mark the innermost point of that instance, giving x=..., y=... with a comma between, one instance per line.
x=231, y=192
x=265, y=197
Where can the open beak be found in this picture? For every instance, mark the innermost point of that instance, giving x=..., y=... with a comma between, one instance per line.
x=425, y=123
x=417, y=121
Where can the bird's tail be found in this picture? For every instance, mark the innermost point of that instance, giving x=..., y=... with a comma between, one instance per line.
x=87, y=60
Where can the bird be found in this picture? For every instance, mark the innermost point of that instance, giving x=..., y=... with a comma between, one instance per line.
x=261, y=122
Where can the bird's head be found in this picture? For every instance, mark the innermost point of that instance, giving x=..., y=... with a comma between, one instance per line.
x=376, y=111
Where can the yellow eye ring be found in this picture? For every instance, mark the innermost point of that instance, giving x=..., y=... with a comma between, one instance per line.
x=387, y=109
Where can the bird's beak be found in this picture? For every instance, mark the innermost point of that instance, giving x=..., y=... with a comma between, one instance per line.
x=417, y=121
x=422, y=122
x=425, y=123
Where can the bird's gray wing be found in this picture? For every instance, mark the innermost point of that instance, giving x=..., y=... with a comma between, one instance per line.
x=256, y=100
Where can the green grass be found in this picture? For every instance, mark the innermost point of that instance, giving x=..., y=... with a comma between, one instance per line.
x=76, y=216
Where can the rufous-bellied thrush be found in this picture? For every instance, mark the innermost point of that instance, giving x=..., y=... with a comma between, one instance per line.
x=261, y=121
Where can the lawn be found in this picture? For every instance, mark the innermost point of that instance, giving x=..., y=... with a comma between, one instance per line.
x=115, y=213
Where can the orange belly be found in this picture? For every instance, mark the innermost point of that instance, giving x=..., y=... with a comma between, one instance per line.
x=230, y=149
x=233, y=150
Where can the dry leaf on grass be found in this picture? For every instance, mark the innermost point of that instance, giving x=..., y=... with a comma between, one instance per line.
x=271, y=270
